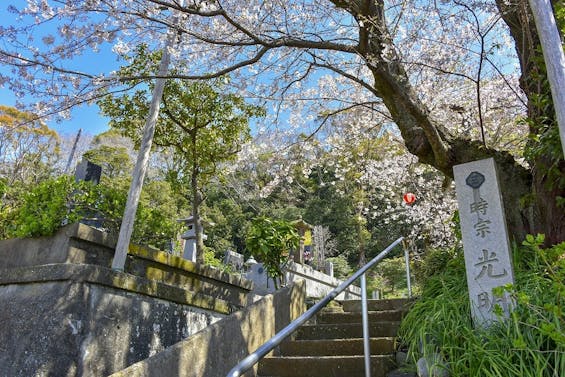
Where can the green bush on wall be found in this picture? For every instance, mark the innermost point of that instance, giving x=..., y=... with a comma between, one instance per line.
x=270, y=241
x=57, y=201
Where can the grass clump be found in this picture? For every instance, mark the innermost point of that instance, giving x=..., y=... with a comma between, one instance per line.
x=531, y=342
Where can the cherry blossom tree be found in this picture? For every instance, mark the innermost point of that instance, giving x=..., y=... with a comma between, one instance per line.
x=406, y=61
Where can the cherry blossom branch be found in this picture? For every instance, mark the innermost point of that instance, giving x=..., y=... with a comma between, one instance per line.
x=26, y=62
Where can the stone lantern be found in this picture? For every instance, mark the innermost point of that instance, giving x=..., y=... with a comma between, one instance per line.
x=301, y=227
x=189, y=236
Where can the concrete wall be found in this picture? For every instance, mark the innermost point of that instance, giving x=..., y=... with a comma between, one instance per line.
x=80, y=244
x=85, y=328
x=213, y=351
x=64, y=312
x=318, y=284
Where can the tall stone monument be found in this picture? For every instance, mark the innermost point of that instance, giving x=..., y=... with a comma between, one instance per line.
x=88, y=171
x=485, y=239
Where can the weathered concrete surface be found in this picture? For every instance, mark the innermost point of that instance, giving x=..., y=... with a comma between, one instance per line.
x=213, y=351
x=114, y=279
x=318, y=284
x=54, y=324
x=80, y=244
x=64, y=312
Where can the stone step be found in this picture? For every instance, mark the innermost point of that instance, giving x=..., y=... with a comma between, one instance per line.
x=336, y=347
x=356, y=317
x=324, y=366
x=346, y=330
x=375, y=305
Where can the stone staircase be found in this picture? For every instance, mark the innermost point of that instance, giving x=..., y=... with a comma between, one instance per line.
x=332, y=344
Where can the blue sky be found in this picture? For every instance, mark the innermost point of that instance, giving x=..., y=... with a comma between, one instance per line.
x=85, y=117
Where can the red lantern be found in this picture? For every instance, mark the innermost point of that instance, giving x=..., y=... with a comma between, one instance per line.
x=409, y=198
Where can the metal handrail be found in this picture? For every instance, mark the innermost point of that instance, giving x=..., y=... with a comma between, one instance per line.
x=247, y=363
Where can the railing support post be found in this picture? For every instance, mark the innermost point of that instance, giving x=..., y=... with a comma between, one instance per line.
x=247, y=363
x=407, y=262
x=365, y=310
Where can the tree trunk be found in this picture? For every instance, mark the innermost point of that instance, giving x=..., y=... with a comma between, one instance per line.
x=196, y=201
x=431, y=142
x=549, y=217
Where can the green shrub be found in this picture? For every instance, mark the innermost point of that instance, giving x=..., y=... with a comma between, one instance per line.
x=54, y=202
x=530, y=343
x=434, y=262
x=342, y=269
x=270, y=241
x=44, y=208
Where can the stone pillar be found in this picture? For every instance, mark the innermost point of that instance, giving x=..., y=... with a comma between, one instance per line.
x=87, y=171
x=329, y=269
x=486, y=245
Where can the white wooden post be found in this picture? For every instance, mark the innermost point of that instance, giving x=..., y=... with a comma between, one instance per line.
x=554, y=58
x=126, y=229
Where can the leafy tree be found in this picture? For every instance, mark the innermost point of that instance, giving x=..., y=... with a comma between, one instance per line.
x=229, y=220
x=390, y=276
x=200, y=121
x=28, y=147
x=342, y=270
x=112, y=152
x=271, y=241
x=156, y=223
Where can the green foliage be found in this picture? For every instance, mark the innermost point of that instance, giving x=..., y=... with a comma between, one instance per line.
x=326, y=206
x=201, y=122
x=57, y=201
x=270, y=241
x=210, y=258
x=155, y=221
x=44, y=208
x=342, y=269
x=389, y=276
x=230, y=222
x=530, y=343
x=114, y=160
x=434, y=262
x=8, y=202
x=28, y=147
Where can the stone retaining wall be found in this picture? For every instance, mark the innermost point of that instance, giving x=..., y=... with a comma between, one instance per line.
x=65, y=312
x=318, y=284
x=213, y=351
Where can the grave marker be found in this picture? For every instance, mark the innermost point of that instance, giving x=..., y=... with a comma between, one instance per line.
x=234, y=259
x=88, y=171
x=485, y=239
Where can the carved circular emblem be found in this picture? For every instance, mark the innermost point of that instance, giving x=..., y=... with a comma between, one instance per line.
x=260, y=270
x=475, y=180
